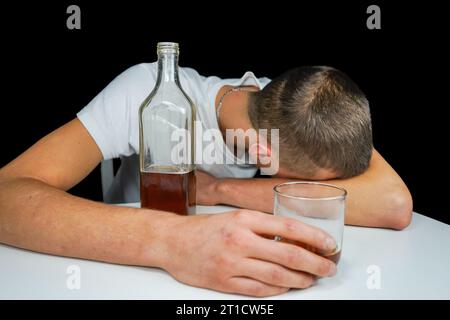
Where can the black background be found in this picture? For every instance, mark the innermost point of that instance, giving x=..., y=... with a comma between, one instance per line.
x=49, y=72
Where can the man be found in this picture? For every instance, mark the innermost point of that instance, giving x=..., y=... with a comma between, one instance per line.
x=325, y=134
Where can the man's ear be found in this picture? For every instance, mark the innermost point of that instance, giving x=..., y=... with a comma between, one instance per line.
x=260, y=153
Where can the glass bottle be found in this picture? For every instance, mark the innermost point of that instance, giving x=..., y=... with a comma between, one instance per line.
x=166, y=140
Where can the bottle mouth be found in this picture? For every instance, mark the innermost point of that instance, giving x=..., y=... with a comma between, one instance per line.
x=167, y=47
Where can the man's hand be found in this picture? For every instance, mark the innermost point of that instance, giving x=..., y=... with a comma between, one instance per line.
x=225, y=252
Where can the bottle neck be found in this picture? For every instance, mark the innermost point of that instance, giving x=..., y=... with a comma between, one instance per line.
x=167, y=67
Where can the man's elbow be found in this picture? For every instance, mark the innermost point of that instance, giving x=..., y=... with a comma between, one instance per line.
x=399, y=209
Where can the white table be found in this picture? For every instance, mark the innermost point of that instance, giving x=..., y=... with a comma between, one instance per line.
x=409, y=264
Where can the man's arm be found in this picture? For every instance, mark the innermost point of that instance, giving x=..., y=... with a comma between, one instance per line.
x=37, y=214
x=223, y=251
x=377, y=198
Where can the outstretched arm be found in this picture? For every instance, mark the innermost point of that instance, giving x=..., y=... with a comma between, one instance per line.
x=376, y=198
x=221, y=251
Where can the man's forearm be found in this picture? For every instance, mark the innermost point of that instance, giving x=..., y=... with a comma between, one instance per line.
x=36, y=216
x=257, y=194
x=377, y=198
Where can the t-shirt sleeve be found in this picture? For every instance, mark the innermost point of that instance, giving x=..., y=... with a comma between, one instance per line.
x=109, y=117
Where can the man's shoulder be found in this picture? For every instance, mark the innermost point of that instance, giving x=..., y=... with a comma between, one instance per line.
x=139, y=72
x=148, y=71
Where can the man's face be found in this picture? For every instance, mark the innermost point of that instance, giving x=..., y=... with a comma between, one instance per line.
x=321, y=174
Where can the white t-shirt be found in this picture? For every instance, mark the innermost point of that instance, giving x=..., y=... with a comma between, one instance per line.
x=112, y=119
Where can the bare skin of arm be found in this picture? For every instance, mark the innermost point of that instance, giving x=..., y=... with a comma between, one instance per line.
x=225, y=252
x=377, y=198
x=37, y=214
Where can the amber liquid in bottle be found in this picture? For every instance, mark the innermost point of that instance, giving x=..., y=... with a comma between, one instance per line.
x=174, y=192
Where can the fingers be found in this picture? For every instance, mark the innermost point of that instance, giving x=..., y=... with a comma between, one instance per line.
x=274, y=274
x=291, y=229
x=291, y=256
x=247, y=286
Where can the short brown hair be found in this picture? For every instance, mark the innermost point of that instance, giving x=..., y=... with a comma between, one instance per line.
x=323, y=118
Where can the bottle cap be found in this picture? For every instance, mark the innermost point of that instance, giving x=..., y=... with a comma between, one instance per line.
x=167, y=47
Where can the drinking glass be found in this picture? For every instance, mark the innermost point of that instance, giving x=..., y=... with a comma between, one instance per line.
x=317, y=204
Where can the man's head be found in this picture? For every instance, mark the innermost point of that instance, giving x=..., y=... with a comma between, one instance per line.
x=323, y=120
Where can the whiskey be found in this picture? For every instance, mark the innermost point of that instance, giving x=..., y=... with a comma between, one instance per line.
x=169, y=191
